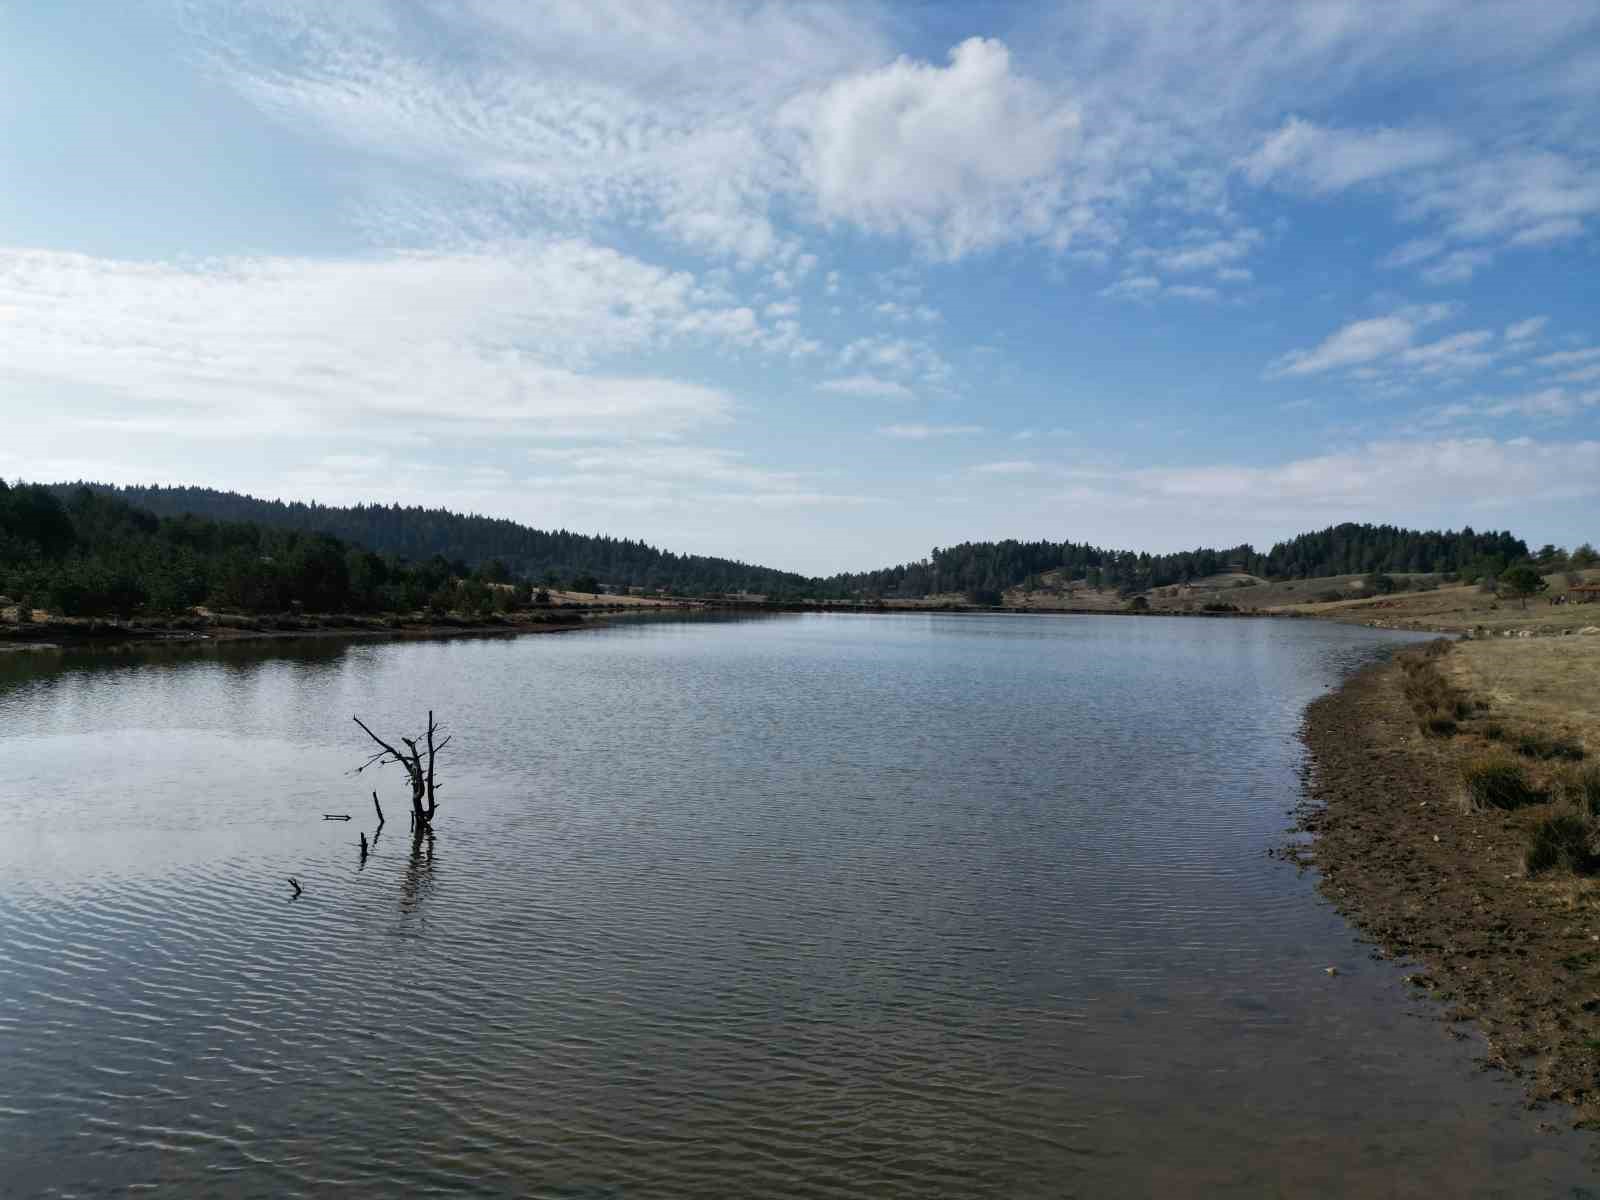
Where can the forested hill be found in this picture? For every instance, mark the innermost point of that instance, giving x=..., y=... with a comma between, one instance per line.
x=986, y=568
x=977, y=569
x=417, y=534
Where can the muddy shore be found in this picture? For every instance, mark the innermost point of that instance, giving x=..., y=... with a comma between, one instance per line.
x=1437, y=885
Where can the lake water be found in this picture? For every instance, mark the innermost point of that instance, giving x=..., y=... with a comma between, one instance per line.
x=813, y=906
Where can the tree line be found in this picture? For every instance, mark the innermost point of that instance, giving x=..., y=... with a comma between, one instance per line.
x=94, y=549
x=414, y=534
x=90, y=554
x=983, y=570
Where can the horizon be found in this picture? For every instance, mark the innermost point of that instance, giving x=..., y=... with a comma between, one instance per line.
x=815, y=287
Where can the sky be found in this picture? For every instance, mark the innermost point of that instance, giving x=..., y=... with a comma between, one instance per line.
x=819, y=286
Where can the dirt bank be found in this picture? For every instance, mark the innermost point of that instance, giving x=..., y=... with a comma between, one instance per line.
x=1432, y=882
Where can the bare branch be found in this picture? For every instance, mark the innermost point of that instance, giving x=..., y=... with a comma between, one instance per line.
x=376, y=738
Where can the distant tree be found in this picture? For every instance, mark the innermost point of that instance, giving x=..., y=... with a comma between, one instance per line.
x=1138, y=604
x=585, y=583
x=1522, y=581
x=1584, y=556
x=1380, y=583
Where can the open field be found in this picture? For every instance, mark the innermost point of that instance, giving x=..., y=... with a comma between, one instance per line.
x=1549, y=684
x=1458, y=609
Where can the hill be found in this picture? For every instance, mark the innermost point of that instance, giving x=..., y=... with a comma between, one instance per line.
x=415, y=534
x=985, y=571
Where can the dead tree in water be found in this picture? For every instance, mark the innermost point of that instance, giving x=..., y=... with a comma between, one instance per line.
x=418, y=764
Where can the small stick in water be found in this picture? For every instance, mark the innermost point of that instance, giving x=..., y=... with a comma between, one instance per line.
x=379, y=807
x=363, y=845
x=335, y=816
x=295, y=884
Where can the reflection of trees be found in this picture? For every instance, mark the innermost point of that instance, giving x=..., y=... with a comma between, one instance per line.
x=416, y=881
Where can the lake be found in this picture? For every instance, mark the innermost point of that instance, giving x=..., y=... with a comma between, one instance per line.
x=814, y=905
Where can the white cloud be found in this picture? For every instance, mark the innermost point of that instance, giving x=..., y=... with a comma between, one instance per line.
x=920, y=433
x=905, y=356
x=1365, y=342
x=1527, y=197
x=1326, y=160
x=1569, y=358
x=867, y=385
x=1456, y=473
x=1006, y=467
x=1457, y=267
x=1186, y=291
x=1522, y=331
x=1356, y=343
x=1205, y=252
x=962, y=158
x=1415, y=251
x=1133, y=287
x=501, y=339
x=1460, y=352
x=1550, y=404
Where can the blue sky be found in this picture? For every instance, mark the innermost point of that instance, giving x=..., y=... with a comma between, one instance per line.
x=815, y=285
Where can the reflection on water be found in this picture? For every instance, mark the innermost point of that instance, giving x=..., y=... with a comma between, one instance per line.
x=853, y=906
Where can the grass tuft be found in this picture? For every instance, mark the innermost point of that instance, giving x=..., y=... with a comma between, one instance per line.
x=1494, y=782
x=1561, y=843
x=1581, y=789
x=1537, y=745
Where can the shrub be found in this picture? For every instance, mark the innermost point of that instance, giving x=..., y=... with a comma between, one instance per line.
x=1439, y=727
x=1560, y=843
x=1498, y=783
x=1536, y=745
x=1582, y=790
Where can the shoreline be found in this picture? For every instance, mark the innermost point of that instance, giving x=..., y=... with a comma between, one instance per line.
x=111, y=635
x=1429, y=881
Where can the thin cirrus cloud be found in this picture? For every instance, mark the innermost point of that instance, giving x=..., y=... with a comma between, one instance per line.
x=471, y=341
x=920, y=433
x=1324, y=160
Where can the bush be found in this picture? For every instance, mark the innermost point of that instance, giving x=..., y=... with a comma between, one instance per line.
x=1560, y=843
x=1439, y=727
x=1498, y=783
x=1581, y=788
x=1536, y=745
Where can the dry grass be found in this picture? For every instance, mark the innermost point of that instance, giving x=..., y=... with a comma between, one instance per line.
x=1549, y=687
x=1458, y=608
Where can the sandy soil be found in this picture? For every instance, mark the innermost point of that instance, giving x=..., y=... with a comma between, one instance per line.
x=1428, y=880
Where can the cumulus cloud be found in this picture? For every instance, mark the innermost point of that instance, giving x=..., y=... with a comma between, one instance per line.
x=963, y=157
